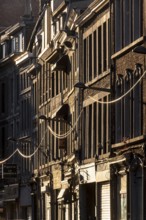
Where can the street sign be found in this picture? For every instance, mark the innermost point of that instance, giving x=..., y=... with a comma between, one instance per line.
x=9, y=171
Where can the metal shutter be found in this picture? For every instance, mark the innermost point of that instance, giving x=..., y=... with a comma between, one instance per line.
x=104, y=211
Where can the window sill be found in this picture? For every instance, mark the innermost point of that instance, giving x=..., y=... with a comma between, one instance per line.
x=26, y=90
x=102, y=75
x=129, y=142
x=87, y=161
x=128, y=47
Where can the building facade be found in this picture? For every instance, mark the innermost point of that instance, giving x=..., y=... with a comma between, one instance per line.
x=129, y=110
x=15, y=135
x=73, y=107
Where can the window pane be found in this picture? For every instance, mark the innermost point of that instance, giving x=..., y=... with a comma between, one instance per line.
x=90, y=57
x=85, y=60
x=136, y=19
x=118, y=25
x=95, y=54
x=104, y=47
x=99, y=50
x=126, y=22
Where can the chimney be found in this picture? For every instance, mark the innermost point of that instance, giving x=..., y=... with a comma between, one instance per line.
x=28, y=8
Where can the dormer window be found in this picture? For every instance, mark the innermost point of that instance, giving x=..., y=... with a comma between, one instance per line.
x=57, y=26
x=18, y=43
x=4, y=51
x=62, y=20
x=58, y=23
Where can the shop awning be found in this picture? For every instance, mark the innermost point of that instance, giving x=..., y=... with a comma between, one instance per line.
x=54, y=56
x=62, y=111
x=61, y=64
x=63, y=195
x=32, y=67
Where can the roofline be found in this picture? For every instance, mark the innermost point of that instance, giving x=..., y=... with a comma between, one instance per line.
x=93, y=8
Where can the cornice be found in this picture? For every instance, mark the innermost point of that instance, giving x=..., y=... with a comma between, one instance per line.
x=93, y=8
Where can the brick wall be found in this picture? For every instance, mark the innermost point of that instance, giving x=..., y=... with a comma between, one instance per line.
x=128, y=61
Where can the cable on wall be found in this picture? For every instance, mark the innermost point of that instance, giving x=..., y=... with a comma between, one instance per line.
x=121, y=97
x=24, y=155
x=62, y=136
x=5, y=160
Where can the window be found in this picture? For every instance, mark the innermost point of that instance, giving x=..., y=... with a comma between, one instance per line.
x=105, y=46
x=85, y=59
x=17, y=88
x=53, y=90
x=3, y=141
x=62, y=20
x=95, y=52
x=24, y=81
x=71, y=69
x=90, y=57
x=25, y=115
x=58, y=23
x=17, y=43
x=128, y=25
x=95, y=134
x=128, y=110
x=100, y=50
x=34, y=98
x=96, y=49
x=57, y=89
x=3, y=98
x=4, y=50
x=12, y=90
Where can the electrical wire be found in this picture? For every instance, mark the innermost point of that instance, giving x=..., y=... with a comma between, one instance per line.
x=5, y=160
x=24, y=155
x=121, y=97
x=31, y=155
x=62, y=136
x=28, y=156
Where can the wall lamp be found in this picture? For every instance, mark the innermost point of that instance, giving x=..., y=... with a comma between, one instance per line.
x=18, y=140
x=81, y=85
x=139, y=49
x=12, y=139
